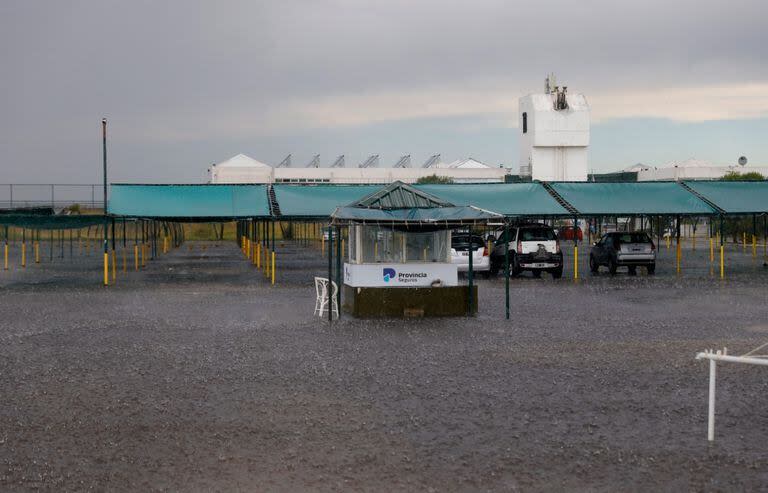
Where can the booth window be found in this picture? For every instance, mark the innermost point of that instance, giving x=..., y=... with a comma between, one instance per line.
x=381, y=244
x=525, y=122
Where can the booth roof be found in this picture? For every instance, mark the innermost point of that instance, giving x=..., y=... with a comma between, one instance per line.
x=450, y=216
x=734, y=197
x=641, y=198
x=398, y=195
x=189, y=202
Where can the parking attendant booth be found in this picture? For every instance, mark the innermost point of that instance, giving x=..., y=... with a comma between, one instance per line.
x=399, y=261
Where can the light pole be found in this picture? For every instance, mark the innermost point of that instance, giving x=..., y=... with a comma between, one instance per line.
x=106, y=230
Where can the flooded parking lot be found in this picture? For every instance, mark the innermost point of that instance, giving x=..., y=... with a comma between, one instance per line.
x=196, y=374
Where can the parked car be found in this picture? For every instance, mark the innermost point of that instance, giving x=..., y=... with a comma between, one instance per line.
x=566, y=233
x=532, y=247
x=460, y=245
x=629, y=250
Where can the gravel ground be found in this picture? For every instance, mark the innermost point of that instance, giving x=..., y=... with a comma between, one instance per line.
x=195, y=374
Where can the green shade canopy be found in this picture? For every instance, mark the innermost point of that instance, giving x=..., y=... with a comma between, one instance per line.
x=41, y=221
x=629, y=199
x=734, y=197
x=189, y=202
x=317, y=201
x=509, y=199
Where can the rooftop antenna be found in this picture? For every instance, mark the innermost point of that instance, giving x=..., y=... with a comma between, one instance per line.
x=371, y=162
x=315, y=163
x=339, y=163
x=285, y=163
x=433, y=160
x=404, y=162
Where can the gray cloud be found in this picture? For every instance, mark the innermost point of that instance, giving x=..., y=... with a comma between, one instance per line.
x=176, y=71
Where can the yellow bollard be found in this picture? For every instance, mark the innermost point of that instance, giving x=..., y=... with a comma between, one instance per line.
x=754, y=245
x=743, y=241
x=575, y=262
x=666, y=239
x=136, y=257
x=722, y=263
x=114, y=266
x=5, y=257
x=711, y=250
x=248, y=248
x=273, y=268
x=23, y=254
x=37, y=252
x=106, y=269
x=322, y=245
x=258, y=255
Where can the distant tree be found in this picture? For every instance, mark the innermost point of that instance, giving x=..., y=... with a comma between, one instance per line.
x=749, y=176
x=434, y=179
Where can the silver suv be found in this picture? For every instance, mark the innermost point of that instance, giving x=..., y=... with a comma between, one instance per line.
x=623, y=250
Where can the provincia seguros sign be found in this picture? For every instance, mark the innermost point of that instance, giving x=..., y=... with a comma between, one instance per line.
x=400, y=275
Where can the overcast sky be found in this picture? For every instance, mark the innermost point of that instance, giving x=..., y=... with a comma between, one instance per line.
x=185, y=84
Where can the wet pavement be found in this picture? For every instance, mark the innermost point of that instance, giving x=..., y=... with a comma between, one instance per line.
x=196, y=374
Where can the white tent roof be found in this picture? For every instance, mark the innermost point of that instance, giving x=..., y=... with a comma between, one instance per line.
x=638, y=167
x=242, y=161
x=689, y=163
x=468, y=163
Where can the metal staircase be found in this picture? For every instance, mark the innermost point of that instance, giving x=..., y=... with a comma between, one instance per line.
x=700, y=196
x=274, y=207
x=560, y=200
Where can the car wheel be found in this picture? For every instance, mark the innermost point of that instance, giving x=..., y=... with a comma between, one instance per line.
x=486, y=274
x=651, y=269
x=593, y=267
x=536, y=273
x=557, y=273
x=494, y=268
x=632, y=271
x=612, y=266
x=514, y=266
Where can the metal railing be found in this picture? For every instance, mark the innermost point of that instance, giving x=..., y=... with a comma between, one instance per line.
x=56, y=195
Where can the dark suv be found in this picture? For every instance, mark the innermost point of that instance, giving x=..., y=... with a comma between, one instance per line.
x=629, y=250
x=532, y=247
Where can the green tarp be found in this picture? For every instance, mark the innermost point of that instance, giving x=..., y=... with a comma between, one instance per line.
x=436, y=215
x=509, y=199
x=318, y=201
x=629, y=199
x=734, y=197
x=189, y=202
x=37, y=221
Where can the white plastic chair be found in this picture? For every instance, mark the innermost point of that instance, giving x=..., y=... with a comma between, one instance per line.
x=321, y=302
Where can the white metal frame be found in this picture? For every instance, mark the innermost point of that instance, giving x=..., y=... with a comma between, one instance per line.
x=750, y=358
x=321, y=301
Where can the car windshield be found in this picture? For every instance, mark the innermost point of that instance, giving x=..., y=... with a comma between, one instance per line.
x=537, y=234
x=461, y=241
x=633, y=238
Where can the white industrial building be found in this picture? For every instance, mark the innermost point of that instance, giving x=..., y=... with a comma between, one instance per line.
x=243, y=169
x=691, y=169
x=554, y=134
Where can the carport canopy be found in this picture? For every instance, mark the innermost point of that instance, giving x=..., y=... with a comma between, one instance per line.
x=734, y=197
x=189, y=202
x=317, y=201
x=631, y=199
x=509, y=199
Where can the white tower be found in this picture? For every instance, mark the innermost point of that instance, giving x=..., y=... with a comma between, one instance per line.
x=554, y=134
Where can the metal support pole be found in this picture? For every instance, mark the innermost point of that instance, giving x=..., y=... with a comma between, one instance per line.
x=712, y=388
x=330, y=272
x=506, y=268
x=338, y=268
x=470, y=275
x=722, y=253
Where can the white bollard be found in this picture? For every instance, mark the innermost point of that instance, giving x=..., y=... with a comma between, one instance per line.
x=711, y=422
